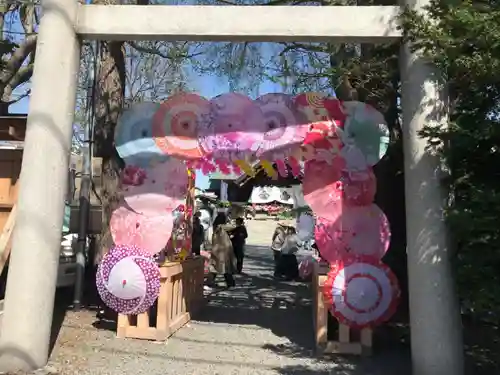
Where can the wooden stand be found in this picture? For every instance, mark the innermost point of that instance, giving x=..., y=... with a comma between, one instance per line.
x=346, y=342
x=181, y=296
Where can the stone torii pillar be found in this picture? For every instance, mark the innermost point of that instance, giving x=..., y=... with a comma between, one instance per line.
x=31, y=284
x=436, y=331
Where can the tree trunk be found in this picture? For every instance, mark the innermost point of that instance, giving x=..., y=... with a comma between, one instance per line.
x=109, y=102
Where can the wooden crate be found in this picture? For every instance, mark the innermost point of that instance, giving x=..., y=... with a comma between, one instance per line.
x=348, y=341
x=181, y=296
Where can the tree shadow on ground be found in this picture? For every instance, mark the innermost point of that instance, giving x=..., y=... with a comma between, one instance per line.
x=285, y=308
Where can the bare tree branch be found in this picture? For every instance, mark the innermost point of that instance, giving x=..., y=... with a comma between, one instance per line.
x=17, y=59
x=22, y=76
x=158, y=52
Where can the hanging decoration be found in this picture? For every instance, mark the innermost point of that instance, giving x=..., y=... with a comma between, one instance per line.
x=133, y=136
x=176, y=124
x=361, y=292
x=128, y=280
x=333, y=144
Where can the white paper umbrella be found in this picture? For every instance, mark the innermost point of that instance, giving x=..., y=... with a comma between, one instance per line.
x=128, y=280
x=361, y=292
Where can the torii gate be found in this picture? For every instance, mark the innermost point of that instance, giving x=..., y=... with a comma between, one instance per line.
x=435, y=335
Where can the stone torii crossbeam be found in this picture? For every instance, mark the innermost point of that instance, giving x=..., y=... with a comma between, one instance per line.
x=24, y=343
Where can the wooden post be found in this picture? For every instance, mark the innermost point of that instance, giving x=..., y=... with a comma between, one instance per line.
x=5, y=242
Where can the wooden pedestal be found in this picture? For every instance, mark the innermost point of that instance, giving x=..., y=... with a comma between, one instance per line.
x=181, y=296
x=348, y=341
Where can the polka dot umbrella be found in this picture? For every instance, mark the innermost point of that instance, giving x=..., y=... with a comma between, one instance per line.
x=128, y=280
x=134, y=136
x=361, y=292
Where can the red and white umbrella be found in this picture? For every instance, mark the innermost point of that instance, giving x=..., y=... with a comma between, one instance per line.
x=128, y=280
x=149, y=232
x=361, y=292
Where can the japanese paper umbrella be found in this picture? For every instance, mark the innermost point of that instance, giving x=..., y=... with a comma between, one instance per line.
x=149, y=232
x=176, y=125
x=234, y=129
x=162, y=187
x=134, y=136
x=366, y=128
x=352, y=189
x=319, y=180
x=361, y=292
x=286, y=126
x=128, y=280
x=358, y=230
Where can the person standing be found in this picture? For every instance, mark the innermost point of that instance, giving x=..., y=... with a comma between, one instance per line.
x=238, y=238
x=222, y=259
x=206, y=223
x=197, y=234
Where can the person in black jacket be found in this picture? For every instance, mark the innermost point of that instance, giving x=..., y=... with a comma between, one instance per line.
x=197, y=235
x=238, y=237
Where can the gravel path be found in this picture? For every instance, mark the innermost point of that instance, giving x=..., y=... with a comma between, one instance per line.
x=260, y=327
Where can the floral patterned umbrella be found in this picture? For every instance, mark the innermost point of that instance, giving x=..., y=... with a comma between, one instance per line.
x=234, y=129
x=162, y=187
x=326, y=119
x=320, y=179
x=176, y=125
x=134, y=136
x=150, y=233
x=352, y=189
x=361, y=292
x=128, y=280
x=358, y=230
x=286, y=127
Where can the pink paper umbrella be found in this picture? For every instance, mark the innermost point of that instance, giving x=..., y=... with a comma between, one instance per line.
x=151, y=232
x=234, y=129
x=175, y=125
x=286, y=126
x=162, y=187
x=358, y=230
x=128, y=280
x=352, y=189
x=361, y=292
x=319, y=180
